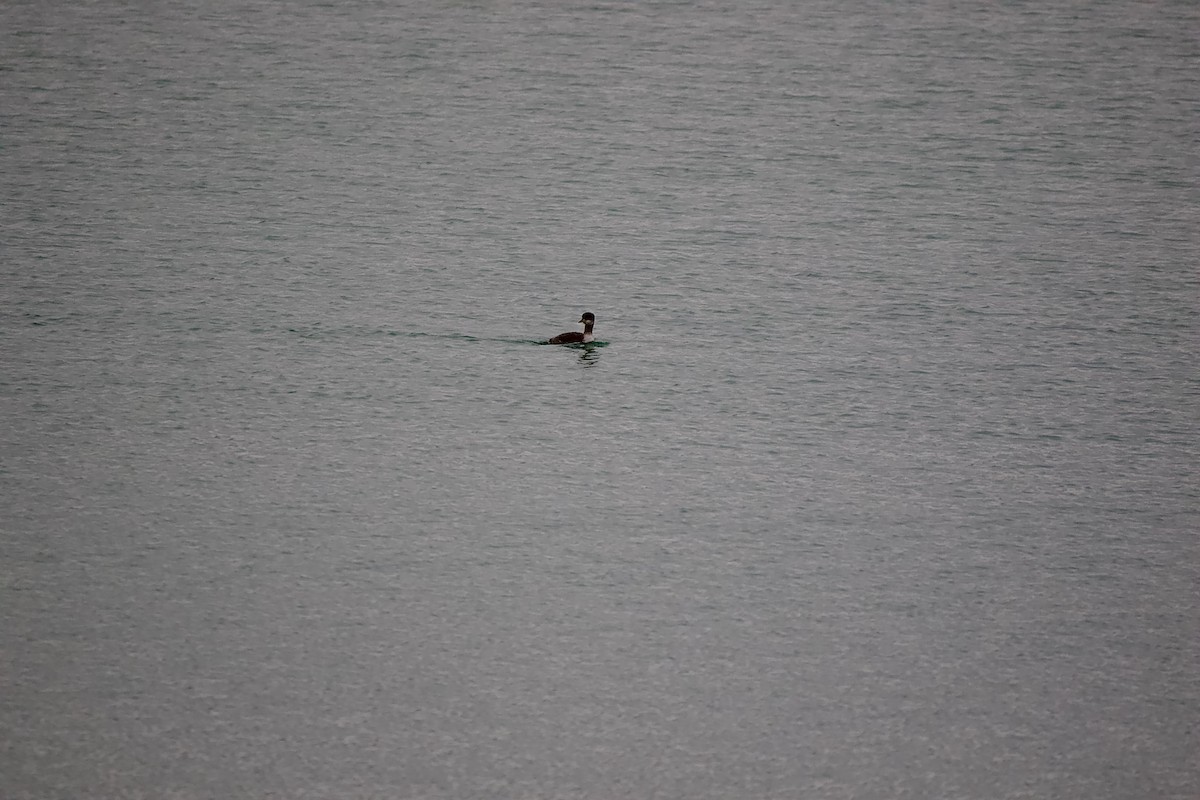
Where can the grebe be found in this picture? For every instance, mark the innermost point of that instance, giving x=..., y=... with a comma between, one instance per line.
x=575, y=337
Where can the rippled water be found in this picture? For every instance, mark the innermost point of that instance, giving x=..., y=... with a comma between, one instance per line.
x=882, y=485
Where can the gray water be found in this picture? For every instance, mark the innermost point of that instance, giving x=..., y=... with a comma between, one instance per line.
x=883, y=483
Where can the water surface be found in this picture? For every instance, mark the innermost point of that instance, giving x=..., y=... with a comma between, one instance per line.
x=883, y=486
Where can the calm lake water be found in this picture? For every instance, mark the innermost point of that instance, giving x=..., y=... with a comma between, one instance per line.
x=883, y=484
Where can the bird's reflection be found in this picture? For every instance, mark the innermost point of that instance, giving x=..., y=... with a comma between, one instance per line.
x=589, y=355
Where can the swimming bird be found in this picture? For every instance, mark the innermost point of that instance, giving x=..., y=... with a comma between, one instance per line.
x=575, y=337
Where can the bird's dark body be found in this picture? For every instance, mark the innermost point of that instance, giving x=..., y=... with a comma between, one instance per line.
x=570, y=337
